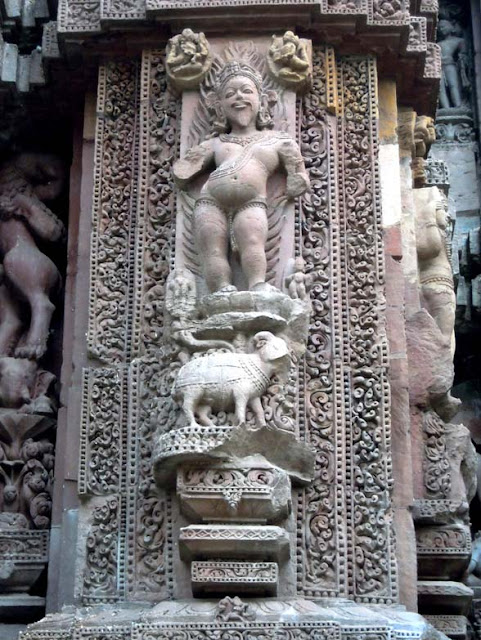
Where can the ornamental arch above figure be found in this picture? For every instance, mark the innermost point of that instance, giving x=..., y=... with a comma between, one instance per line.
x=230, y=214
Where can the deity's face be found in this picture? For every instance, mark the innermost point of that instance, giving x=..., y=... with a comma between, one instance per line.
x=445, y=28
x=240, y=101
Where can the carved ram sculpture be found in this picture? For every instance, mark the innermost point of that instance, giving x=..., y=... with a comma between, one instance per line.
x=231, y=381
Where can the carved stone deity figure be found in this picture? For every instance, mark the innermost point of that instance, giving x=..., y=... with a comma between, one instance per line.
x=232, y=206
x=29, y=276
x=453, y=60
x=435, y=273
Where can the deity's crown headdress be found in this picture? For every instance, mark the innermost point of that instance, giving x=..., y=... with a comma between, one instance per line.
x=233, y=68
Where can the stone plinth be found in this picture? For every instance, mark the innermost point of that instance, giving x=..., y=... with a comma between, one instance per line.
x=327, y=619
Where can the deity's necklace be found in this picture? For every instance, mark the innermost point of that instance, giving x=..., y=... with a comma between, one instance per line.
x=243, y=141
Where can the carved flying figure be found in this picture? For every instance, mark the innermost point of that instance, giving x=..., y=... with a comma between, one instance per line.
x=188, y=58
x=232, y=204
x=231, y=381
x=288, y=60
x=26, y=182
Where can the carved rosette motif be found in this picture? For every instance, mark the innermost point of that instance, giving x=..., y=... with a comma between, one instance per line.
x=367, y=401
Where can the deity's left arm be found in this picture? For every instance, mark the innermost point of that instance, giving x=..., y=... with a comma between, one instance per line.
x=195, y=161
x=463, y=63
x=297, y=177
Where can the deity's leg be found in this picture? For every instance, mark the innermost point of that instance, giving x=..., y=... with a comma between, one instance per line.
x=250, y=228
x=454, y=85
x=443, y=94
x=212, y=236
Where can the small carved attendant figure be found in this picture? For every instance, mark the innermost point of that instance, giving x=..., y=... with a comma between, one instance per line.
x=188, y=59
x=28, y=274
x=453, y=60
x=288, y=60
x=297, y=282
x=435, y=273
x=233, y=201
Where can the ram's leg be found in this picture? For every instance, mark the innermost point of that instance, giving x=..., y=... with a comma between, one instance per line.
x=240, y=411
x=188, y=407
x=258, y=410
x=203, y=415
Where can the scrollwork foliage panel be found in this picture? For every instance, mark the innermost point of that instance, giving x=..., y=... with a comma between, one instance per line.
x=123, y=403
x=368, y=457
x=344, y=516
x=113, y=212
x=321, y=544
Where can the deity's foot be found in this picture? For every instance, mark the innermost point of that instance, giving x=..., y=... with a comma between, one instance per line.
x=229, y=288
x=263, y=286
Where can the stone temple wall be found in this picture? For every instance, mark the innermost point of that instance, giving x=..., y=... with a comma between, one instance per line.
x=255, y=423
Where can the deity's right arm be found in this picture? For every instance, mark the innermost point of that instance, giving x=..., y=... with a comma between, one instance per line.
x=196, y=161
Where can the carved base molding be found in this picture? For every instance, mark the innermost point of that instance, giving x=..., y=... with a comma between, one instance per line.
x=455, y=627
x=444, y=595
x=443, y=551
x=233, y=618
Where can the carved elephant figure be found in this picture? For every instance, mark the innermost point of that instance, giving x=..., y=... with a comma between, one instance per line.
x=231, y=381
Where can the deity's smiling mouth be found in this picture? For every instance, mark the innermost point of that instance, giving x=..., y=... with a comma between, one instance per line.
x=240, y=105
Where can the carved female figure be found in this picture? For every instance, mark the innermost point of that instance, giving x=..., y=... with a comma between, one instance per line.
x=435, y=273
x=232, y=204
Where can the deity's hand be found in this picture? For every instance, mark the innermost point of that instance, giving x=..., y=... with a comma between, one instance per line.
x=297, y=184
x=194, y=162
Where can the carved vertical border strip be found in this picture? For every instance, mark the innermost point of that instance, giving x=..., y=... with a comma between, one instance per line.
x=101, y=562
x=148, y=529
x=156, y=223
x=101, y=445
x=320, y=543
x=113, y=207
x=105, y=433
x=368, y=459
